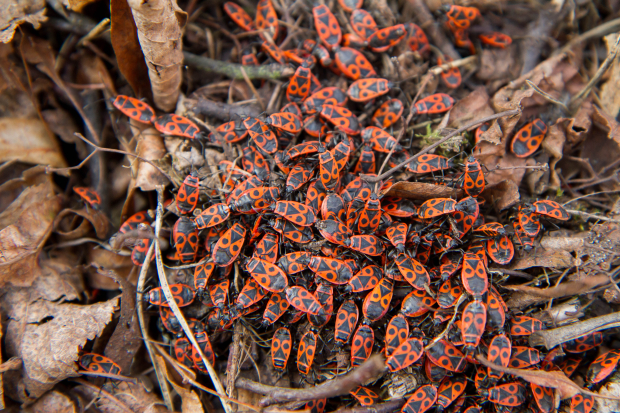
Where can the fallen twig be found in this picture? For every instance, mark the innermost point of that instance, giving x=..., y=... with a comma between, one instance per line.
x=223, y=111
x=233, y=70
x=340, y=386
x=551, y=338
x=544, y=167
x=368, y=178
x=591, y=216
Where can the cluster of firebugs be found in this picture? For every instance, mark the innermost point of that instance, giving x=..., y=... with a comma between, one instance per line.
x=320, y=249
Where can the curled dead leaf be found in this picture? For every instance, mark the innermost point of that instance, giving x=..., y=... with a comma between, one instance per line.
x=421, y=191
x=69, y=225
x=20, y=11
x=150, y=146
x=503, y=194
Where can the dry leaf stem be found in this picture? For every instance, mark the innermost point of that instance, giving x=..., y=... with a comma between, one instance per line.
x=552, y=338
x=165, y=287
x=233, y=70
x=592, y=216
x=340, y=386
x=439, y=142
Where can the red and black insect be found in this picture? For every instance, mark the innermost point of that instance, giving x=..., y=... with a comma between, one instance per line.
x=229, y=246
x=388, y=113
x=380, y=140
x=254, y=163
x=239, y=16
x=354, y=41
x=446, y=355
x=527, y=140
x=266, y=19
x=429, y=163
x=413, y=272
x=275, y=308
x=481, y=129
x=267, y=248
x=330, y=269
x=407, y=353
x=324, y=294
x=396, y=333
x=448, y=294
x=306, y=352
x=421, y=400
x=285, y=122
x=281, y=345
x=495, y=39
x=205, y=346
x=342, y=118
x=297, y=213
x=381, y=40
x=433, y=104
x=377, y=302
x=333, y=208
x=450, y=77
x=603, y=366
x=187, y=197
x=327, y=26
x=89, y=195
x=524, y=325
x=169, y=320
x=299, y=175
x=474, y=275
x=212, y=216
x=183, y=351
x=317, y=50
x=273, y=51
x=364, y=395
x=96, y=363
x=416, y=303
x=353, y=64
x=175, y=125
x=183, y=295
x=250, y=294
x=581, y=403
x=436, y=207
x=294, y=262
x=551, y=209
x=300, y=235
x=325, y=96
x=361, y=345
x=299, y=85
x=230, y=132
x=302, y=300
x=522, y=357
x=262, y=136
x=499, y=353
x=134, y=109
x=185, y=236
x=268, y=275
x=507, y=394
x=248, y=58
x=346, y=320
x=316, y=406
x=473, y=178
x=366, y=279
x=473, y=322
x=450, y=389
x=254, y=200
x=584, y=343
x=496, y=311
x=219, y=293
x=460, y=17
x=501, y=250
x=417, y=40
x=363, y=90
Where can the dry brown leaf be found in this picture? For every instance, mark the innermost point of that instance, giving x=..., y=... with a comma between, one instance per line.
x=151, y=147
x=608, y=123
x=570, y=244
x=26, y=224
x=508, y=160
x=546, y=258
x=503, y=195
x=53, y=401
x=28, y=140
x=421, y=191
x=100, y=257
x=605, y=405
x=566, y=288
x=127, y=49
x=60, y=279
x=471, y=107
x=553, y=144
x=610, y=98
x=47, y=337
x=17, y=12
x=498, y=64
x=160, y=30
x=72, y=224
x=190, y=402
x=552, y=379
x=134, y=395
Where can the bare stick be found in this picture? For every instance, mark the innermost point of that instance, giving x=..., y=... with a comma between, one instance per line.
x=165, y=287
x=445, y=331
x=591, y=216
x=233, y=70
x=340, y=386
x=507, y=168
x=551, y=338
x=513, y=112
x=437, y=70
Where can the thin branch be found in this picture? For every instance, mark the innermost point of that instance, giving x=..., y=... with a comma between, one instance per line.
x=340, y=386
x=165, y=287
x=252, y=88
x=513, y=112
x=606, y=28
x=544, y=167
x=546, y=95
x=591, y=216
x=551, y=338
x=104, y=393
x=437, y=70
x=233, y=70
x=445, y=331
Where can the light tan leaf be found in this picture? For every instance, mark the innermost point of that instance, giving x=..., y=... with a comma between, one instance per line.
x=26, y=224
x=151, y=147
x=608, y=123
x=53, y=401
x=28, y=140
x=610, y=98
x=546, y=258
x=564, y=289
x=190, y=402
x=474, y=106
x=70, y=228
x=20, y=11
